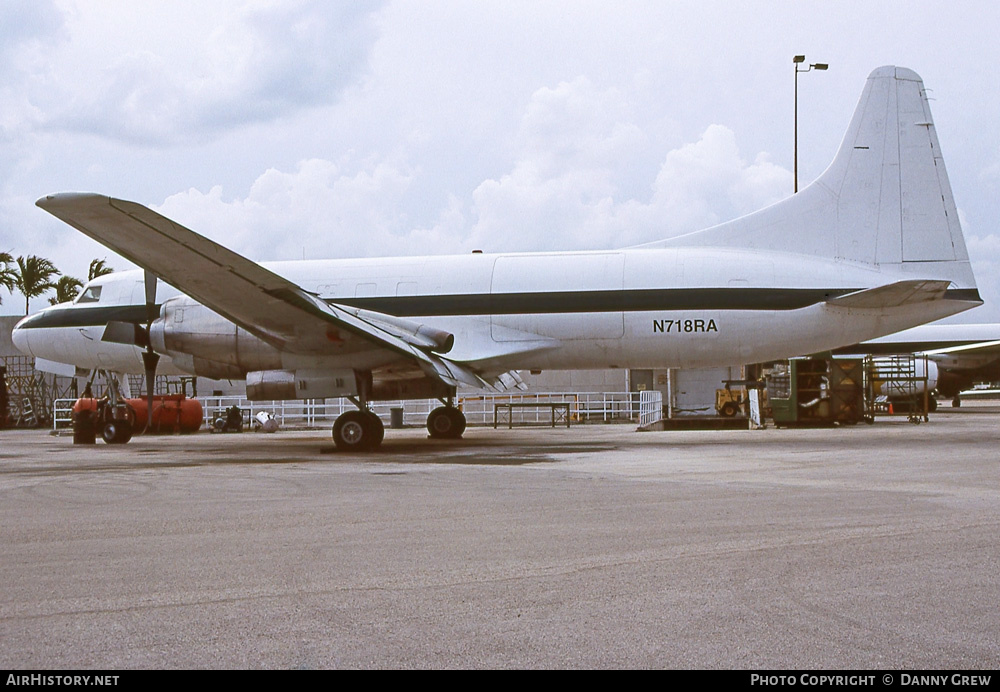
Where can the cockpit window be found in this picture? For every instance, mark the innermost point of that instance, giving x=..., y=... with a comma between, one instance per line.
x=91, y=294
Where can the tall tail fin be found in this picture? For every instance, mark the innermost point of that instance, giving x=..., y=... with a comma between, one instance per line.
x=885, y=200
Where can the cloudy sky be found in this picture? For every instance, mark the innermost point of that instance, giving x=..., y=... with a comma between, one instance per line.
x=288, y=129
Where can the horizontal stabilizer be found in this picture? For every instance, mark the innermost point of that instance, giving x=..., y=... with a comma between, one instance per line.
x=893, y=295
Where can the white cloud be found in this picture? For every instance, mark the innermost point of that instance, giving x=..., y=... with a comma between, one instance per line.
x=27, y=29
x=564, y=191
x=575, y=146
x=162, y=81
x=707, y=182
x=319, y=209
x=25, y=26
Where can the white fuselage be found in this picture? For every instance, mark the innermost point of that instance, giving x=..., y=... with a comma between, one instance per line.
x=637, y=308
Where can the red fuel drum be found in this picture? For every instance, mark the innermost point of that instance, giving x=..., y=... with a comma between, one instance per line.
x=171, y=413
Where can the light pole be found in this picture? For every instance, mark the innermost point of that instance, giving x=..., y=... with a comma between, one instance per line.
x=796, y=61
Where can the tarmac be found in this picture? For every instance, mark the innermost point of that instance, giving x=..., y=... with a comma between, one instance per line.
x=863, y=547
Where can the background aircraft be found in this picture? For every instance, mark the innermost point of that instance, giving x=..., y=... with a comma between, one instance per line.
x=961, y=354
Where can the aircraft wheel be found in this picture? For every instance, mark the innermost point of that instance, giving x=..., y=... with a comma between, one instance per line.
x=377, y=428
x=116, y=432
x=446, y=423
x=127, y=430
x=356, y=431
x=956, y=402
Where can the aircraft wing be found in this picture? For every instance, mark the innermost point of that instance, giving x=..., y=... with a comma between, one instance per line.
x=262, y=302
x=966, y=357
x=980, y=348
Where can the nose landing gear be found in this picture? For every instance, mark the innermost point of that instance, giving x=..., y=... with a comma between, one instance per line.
x=116, y=431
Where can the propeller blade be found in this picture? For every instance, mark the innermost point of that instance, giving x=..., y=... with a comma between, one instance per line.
x=150, y=285
x=150, y=358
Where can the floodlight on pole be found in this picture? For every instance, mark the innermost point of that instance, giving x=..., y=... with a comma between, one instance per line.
x=798, y=60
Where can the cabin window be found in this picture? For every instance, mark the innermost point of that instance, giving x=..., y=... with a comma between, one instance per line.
x=91, y=294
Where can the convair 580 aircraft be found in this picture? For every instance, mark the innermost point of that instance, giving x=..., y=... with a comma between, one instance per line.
x=871, y=247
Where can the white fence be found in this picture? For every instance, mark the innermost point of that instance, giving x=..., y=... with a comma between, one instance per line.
x=650, y=408
x=585, y=407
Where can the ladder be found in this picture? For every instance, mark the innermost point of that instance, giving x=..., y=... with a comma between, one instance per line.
x=26, y=415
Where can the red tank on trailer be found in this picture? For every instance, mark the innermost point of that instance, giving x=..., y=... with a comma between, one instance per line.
x=172, y=413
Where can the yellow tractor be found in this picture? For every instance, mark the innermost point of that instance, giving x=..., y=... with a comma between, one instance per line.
x=728, y=402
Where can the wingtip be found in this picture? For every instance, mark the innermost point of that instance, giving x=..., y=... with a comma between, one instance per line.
x=58, y=199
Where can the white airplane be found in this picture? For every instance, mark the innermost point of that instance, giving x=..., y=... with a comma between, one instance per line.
x=958, y=355
x=871, y=247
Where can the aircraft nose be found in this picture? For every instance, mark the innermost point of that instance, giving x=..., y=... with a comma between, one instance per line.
x=20, y=338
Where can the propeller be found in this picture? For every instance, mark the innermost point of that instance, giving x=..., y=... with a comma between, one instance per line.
x=150, y=358
x=135, y=334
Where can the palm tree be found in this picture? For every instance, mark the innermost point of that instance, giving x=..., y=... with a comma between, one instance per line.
x=98, y=267
x=66, y=289
x=7, y=277
x=33, y=277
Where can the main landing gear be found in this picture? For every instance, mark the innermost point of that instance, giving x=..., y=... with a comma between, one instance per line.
x=358, y=431
x=362, y=430
x=446, y=423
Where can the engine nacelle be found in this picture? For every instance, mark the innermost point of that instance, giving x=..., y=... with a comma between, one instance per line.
x=206, y=344
x=300, y=384
x=419, y=335
x=419, y=388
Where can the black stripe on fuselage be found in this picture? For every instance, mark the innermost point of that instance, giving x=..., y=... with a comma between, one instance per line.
x=629, y=300
x=86, y=317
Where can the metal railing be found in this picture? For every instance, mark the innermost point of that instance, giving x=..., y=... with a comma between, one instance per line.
x=585, y=407
x=62, y=413
x=650, y=408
